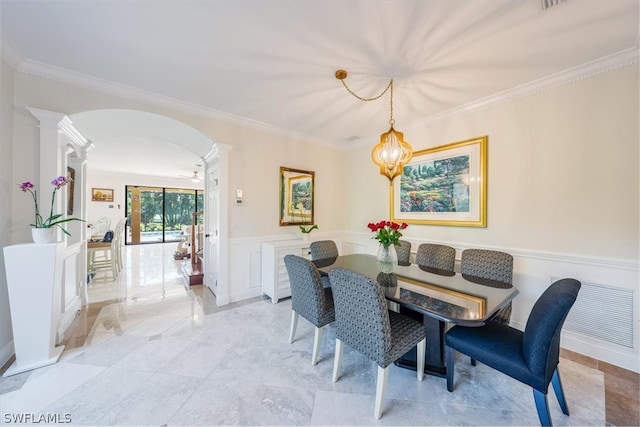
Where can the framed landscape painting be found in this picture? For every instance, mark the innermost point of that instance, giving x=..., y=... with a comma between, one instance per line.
x=445, y=185
x=102, y=194
x=296, y=196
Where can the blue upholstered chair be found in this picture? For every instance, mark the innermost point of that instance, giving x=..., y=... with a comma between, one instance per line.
x=323, y=249
x=493, y=265
x=364, y=323
x=530, y=357
x=404, y=252
x=309, y=299
x=441, y=257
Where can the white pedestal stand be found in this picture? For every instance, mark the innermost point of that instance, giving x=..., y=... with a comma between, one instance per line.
x=34, y=277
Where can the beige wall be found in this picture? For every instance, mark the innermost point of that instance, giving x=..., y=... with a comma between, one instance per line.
x=7, y=192
x=254, y=160
x=563, y=197
x=563, y=171
x=563, y=184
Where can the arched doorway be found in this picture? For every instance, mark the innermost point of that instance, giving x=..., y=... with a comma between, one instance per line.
x=157, y=145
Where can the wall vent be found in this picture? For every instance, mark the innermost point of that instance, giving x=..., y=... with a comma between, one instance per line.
x=603, y=312
x=547, y=4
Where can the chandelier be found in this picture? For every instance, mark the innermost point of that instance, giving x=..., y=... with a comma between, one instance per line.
x=392, y=152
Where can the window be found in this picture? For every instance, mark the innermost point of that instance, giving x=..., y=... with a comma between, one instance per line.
x=157, y=214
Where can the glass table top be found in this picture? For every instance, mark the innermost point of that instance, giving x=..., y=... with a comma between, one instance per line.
x=445, y=295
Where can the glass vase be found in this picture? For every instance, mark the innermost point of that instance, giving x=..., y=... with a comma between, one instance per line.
x=387, y=258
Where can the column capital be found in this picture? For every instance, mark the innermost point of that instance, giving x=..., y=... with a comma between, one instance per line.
x=47, y=118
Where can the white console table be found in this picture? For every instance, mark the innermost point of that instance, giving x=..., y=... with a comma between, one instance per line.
x=275, y=279
x=34, y=279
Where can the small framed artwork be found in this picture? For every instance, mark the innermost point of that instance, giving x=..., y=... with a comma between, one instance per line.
x=296, y=196
x=102, y=194
x=71, y=174
x=445, y=185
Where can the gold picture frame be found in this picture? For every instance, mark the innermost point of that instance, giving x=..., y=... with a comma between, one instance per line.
x=444, y=185
x=296, y=196
x=469, y=307
x=102, y=194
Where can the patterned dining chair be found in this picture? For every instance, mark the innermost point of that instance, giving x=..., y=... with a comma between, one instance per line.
x=493, y=265
x=309, y=299
x=323, y=249
x=441, y=257
x=364, y=323
x=530, y=357
x=404, y=252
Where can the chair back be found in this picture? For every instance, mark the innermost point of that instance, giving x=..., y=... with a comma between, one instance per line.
x=308, y=297
x=404, y=251
x=362, y=319
x=118, y=233
x=323, y=249
x=487, y=264
x=101, y=226
x=541, y=339
x=430, y=255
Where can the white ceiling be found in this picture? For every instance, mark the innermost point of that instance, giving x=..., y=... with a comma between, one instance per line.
x=271, y=63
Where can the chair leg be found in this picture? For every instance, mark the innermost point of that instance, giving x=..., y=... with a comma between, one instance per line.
x=381, y=387
x=543, y=408
x=557, y=388
x=450, y=366
x=337, y=359
x=294, y=324
x=317, y=339
x=421, y=347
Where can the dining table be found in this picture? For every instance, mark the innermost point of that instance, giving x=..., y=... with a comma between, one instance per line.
x=437, y=298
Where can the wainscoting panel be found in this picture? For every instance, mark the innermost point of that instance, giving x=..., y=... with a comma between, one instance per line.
x=603, y=324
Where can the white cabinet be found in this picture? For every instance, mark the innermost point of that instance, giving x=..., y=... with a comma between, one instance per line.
x=275, y=279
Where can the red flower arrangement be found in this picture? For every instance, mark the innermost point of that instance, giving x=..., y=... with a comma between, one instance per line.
x=387, y=232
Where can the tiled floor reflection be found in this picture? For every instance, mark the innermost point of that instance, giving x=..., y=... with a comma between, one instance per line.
x=148, y=351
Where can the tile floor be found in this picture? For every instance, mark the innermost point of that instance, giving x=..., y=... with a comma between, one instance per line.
x=147, y=351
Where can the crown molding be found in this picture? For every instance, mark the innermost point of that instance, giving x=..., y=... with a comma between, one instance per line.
x=9, y=51
x=605, y=64
x=73, y=78
x=590, y=69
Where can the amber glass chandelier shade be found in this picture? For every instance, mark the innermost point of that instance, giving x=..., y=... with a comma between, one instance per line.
x=391, y=153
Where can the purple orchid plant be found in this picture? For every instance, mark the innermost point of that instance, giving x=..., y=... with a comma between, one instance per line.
x=52, y=220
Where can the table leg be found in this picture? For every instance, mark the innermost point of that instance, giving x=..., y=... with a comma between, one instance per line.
x=434, y=355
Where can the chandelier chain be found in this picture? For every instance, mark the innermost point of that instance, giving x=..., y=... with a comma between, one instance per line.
x=391, y=120
x=392, y=152
x=368, y=99
x=389, y=87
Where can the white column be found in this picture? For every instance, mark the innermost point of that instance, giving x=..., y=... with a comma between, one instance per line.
x=51, y=159
x=59, y=139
